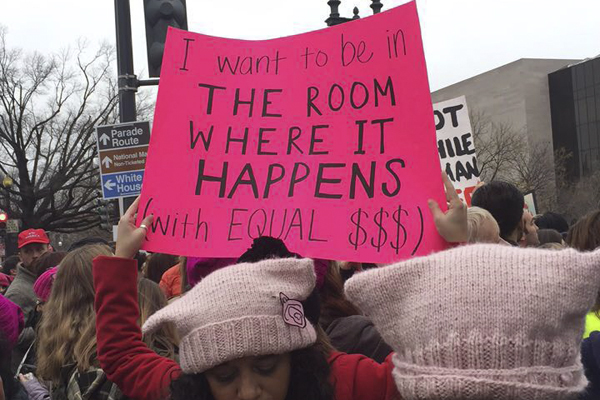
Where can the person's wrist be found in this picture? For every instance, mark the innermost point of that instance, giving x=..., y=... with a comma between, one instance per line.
x=123, y=253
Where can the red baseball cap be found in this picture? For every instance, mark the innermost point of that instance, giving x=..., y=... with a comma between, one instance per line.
x=33, y=236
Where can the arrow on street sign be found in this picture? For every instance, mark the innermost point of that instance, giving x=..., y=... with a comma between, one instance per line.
x=107, y=161
x=109, y=185
x=104, y=139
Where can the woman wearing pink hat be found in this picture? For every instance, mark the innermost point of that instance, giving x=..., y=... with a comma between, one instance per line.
x=480, y=322
x=244, y=334
x=243, y=330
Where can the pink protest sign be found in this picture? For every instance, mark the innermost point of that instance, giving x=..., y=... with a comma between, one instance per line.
x=324, y=140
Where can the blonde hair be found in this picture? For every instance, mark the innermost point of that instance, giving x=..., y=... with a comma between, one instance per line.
x=552, y=246
x=67, y=331
x=151, y=298
x=475, y=218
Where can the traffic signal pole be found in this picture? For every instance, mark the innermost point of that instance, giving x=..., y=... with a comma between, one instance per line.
x=126, y=77
x=159, y=15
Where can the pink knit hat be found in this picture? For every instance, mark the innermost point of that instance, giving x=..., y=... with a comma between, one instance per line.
x=483, y=321
x=240, y=311
x=11, y=321
x=43, y=284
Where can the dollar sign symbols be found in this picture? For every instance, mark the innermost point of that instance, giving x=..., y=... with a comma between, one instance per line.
x=359, y=237
x=381, y=234
x=397, y=216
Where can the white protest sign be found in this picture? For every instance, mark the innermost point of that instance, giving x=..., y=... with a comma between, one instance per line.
x=530, y=203
x=456, y=145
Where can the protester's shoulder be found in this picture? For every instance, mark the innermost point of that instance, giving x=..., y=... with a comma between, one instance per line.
x=20, y=289
x=171, y=276
x=590, y=348
x=357, y=334
x=172, y=272
x=348, y=333
x=350, y=323
x=590, y=354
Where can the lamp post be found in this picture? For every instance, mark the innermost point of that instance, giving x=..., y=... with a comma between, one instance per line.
x=9, y=238
x=336, y=19
x=7, y=183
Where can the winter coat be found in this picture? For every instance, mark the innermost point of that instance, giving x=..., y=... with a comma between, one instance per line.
x=356, y=334
x=592, y=323
x=170, y=282
x=89, y=385
x=590, y=358
x=36, y=390
x=144, y=375
x=21, y=291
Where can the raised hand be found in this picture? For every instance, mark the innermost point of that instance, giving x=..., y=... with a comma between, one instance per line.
x=130, y=237
x=452, y=224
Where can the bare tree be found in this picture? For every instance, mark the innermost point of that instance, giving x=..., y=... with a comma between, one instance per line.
x=503, y=153
x=534, y=172
x=49, y=107
x=496, y=145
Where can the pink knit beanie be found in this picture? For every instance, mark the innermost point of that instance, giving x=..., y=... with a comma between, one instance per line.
x=11, y=321
x=43, y=284
x=483, y=321
x=240, y=311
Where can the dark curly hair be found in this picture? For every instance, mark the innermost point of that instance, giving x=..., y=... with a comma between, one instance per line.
x=309, y=379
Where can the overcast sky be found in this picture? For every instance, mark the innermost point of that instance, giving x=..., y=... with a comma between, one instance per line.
x=462, y=38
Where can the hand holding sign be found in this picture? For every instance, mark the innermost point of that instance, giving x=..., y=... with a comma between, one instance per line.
x=129, y=237
x=452, y=224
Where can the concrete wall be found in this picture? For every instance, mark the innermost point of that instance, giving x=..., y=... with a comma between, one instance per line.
x=515, y=94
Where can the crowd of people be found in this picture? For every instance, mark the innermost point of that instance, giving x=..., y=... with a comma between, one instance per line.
x=510, y=311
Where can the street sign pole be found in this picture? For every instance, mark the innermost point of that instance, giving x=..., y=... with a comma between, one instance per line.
x=127, y=79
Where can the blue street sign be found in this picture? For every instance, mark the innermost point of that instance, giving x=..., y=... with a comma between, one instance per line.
x=122, y=184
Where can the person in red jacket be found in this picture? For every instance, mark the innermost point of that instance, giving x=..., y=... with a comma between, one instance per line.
x=269, y=355
x=234, y=353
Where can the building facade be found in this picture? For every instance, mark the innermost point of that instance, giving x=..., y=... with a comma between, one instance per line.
x=575, y=110
x=518, y=97
x=515, y=94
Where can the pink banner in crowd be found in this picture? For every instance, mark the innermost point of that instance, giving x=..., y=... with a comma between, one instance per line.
x=324, y=140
